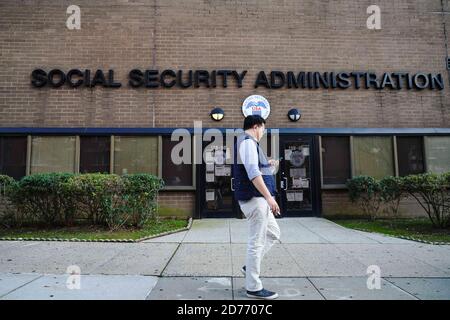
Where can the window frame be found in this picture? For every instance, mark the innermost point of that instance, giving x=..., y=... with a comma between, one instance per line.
x=79, y=150
x=26, y=148
x=334, y=185
x=193, y=187
x=352, y=163
x=393, y=145
x=194, y=167
x=76, y=164
x=426, y=150
x=424, y=158
x=112, y=154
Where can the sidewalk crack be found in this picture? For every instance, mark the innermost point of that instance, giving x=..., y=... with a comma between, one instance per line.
x=38, y=277
x=318, y=291
x=401, y=289
x=170, y=260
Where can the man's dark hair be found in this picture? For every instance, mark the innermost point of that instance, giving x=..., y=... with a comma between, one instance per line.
x=250, y=121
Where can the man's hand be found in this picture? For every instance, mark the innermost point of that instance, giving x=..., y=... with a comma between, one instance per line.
x=259, y=184
x=274, y=163
x=273, y=205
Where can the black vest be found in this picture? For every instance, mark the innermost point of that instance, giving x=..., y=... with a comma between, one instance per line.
x=243, y=187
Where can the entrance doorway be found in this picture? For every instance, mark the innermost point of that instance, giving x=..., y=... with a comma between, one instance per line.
x=298, y=176
x=297, y=179
x=215, y=198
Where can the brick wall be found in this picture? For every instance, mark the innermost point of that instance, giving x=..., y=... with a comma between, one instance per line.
x=337, y=203
x=195, y=34
x=176, y=203
x=254, y=35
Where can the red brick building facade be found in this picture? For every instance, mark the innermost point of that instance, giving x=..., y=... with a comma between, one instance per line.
x=258, y=35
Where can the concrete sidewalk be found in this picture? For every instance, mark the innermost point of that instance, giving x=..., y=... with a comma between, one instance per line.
x=316, y=259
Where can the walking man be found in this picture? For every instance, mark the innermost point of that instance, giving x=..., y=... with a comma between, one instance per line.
x=254, y=186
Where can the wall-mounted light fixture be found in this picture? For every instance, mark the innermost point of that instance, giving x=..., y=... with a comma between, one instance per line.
x=217, y=114
x=294, y=114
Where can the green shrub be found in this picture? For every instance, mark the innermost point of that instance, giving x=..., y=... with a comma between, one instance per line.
x=8, y=214
x=366, y=192
x=94, y=194
x=101, y=199
x=7, y=184
x=140, y=195
x=42, y=198
x=116, y=201
x=5, y=181
x=392, y=192
x=431, y=191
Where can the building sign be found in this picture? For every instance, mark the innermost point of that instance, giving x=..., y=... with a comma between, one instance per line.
x=256, y=105
x=153, y=79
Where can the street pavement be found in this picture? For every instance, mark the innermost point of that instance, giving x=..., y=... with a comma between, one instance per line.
x=315, y=259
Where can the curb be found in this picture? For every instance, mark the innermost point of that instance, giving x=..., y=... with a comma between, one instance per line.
x=65, y=240
x=101, y=240
x=437, y=243
x=167, y=232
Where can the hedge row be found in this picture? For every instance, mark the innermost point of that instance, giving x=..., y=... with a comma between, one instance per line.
x=56, y=199
x=431, y=191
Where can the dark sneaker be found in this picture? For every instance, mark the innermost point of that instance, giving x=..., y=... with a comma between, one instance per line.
x=262, y=294
x=243, y=270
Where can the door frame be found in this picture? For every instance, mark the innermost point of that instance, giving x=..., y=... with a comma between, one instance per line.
x=315, y=177
x=200, y=198
x=236, y=212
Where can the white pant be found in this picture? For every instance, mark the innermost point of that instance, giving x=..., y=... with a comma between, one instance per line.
x=263, y=231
